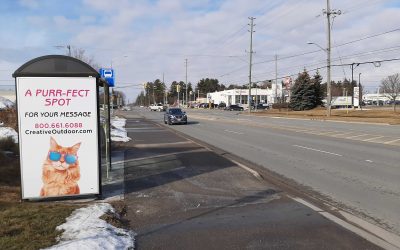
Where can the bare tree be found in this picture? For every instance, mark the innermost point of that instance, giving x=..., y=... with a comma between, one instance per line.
x=79, y=53
x=391, y=86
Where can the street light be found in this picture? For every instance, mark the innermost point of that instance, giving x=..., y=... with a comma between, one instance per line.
x=64, y=46
x=328, y=74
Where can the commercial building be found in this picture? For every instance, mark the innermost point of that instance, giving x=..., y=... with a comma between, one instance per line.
x=240, y=96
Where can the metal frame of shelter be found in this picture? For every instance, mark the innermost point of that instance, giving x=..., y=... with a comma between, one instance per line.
x=66, y=66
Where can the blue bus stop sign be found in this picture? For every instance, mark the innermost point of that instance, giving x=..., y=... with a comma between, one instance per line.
x=108, y=75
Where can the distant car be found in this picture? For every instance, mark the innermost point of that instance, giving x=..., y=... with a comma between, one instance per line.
x=262, y=106
x=203, y=105
x=175, y=116
x=157, y=107
x=222, y=105
x=126, y=108
x=234, y=107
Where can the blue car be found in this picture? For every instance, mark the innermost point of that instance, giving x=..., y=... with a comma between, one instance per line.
x=175, y=116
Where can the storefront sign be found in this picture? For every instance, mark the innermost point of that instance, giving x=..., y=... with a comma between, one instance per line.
x=57, y=118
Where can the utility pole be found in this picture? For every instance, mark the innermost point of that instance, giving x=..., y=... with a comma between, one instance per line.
x=276, y=79
x=165, y=93
x=251, y=59
x=69, y=50
x=328, y=13
x=359, y=91
x=186, y=84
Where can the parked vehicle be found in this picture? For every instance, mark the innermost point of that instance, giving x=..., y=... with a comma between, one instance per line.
x=222, y=105
x=203, y=105
x=261, y=106
x=234, y=107
x=175, y=116
x=157, y=107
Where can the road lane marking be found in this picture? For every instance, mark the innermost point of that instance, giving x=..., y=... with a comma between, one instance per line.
x=234, y=132
x=355, y=136
x=388, y=142
x=343, y=135
x=373, y=138
x=317, y=150
x=366, y=230
x=253, y=172
x=329, y=133
x=368, y=161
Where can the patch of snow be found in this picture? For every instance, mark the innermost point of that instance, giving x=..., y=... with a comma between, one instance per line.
x=84, y=230
x=5, y=103
x=6, y=132
x=118, y=131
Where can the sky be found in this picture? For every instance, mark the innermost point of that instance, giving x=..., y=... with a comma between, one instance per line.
x=145, y=39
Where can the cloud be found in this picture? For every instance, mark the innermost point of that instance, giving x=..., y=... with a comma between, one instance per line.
x=32, y=4
x=157, y=36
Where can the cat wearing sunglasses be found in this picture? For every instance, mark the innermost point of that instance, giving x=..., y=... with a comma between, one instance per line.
x=61, y=171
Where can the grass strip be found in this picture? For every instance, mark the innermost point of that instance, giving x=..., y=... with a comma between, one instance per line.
x=31, y=225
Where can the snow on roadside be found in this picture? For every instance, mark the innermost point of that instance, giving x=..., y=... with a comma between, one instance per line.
x=85, y=230
x=5, y=103
x=118, y=131
x=6, y=132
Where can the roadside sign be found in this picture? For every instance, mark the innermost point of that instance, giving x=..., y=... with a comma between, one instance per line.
x=108, y=75
x=57, y=121
x=356, y=97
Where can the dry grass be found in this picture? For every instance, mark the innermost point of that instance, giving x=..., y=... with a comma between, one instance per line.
x=24, y=225
x=117, y=219
x=9, y=117
x=31, y=225
x=375, y=115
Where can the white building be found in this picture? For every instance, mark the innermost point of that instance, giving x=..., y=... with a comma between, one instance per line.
x=377, y=97
x=240, y=96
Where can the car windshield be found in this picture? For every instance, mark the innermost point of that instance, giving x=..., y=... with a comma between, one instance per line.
x=175, y=111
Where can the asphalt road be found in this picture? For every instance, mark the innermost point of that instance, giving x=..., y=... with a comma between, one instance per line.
x=352, y=165
x=182, y=195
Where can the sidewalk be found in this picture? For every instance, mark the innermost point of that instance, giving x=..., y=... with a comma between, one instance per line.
x=180, y=195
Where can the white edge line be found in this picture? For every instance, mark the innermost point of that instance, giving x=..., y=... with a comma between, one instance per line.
x=253, y=172
x=360, y=232
x=380, y=232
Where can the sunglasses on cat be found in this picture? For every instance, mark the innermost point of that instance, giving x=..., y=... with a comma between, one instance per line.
x=56, y=156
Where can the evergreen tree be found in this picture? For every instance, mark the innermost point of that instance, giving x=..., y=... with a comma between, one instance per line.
x=319, y=91
x=303, y=94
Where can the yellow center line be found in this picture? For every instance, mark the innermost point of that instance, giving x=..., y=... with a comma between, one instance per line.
x=388, y=142
x=305, y=131
x=373, y=138
x=355, y=136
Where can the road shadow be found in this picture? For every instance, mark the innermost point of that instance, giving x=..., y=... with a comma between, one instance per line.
x=169, y=165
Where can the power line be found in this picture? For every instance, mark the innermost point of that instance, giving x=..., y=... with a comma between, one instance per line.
x=367, y=37
x=339, y=45
x=375, y=62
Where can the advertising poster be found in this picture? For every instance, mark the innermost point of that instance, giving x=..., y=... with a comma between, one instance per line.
x=57, y=118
